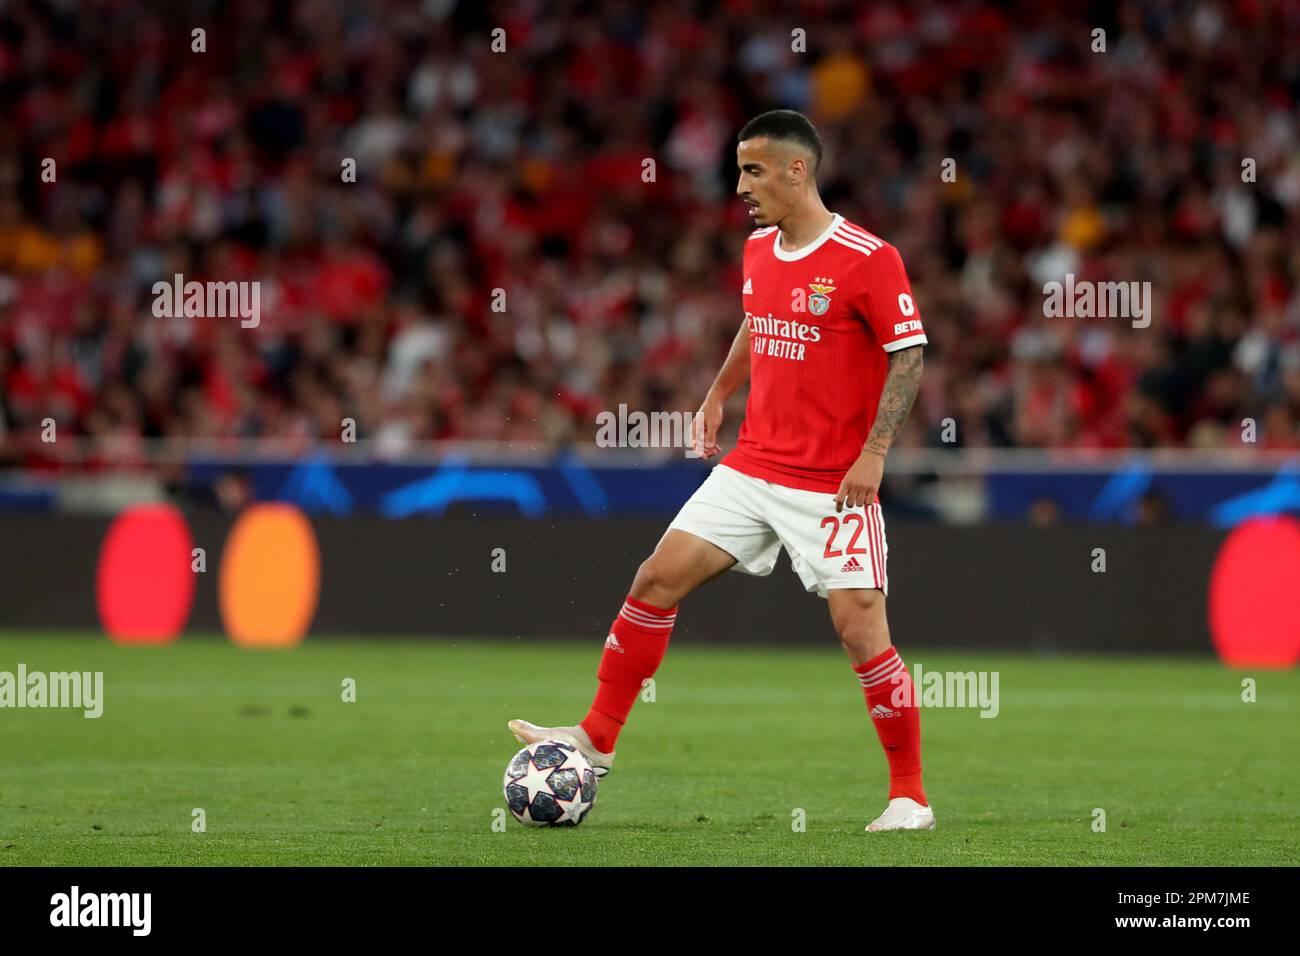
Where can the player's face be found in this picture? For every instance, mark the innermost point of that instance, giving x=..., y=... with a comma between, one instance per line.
x=764, y=183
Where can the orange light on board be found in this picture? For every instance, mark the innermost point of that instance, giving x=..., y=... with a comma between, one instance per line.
x=144, y=585
x=270, y=577
x=1255, y=594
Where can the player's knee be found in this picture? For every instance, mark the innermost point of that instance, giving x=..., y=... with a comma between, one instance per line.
x=656, y=582
x=863, y=643
x=855, y=637
x=862, y=628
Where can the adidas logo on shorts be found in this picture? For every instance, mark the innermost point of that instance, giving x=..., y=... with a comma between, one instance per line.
x=852, y=564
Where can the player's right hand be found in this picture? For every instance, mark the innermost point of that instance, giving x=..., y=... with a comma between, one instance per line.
x=704, y=429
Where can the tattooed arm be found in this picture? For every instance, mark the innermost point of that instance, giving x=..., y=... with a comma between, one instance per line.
x=896, y=399
x=862, y=481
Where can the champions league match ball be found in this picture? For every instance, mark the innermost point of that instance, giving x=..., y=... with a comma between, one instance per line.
x=550, y=784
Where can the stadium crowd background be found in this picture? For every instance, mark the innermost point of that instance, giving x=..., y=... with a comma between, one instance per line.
x=522, y=171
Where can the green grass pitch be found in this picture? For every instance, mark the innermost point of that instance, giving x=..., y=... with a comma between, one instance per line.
x=709, y=773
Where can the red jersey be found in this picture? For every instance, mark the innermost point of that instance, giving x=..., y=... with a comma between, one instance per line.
x=821, y=322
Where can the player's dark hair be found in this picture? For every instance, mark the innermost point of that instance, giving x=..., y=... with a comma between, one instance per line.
x=788, y=126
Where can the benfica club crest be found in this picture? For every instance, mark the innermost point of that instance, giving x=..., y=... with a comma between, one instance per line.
x=820, y=300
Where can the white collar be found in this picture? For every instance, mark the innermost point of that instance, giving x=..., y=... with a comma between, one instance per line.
x=802, y=251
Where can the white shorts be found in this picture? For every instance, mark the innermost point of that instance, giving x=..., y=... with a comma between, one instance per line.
x=751, y=519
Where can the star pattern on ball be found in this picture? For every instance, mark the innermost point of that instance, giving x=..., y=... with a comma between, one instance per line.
x=538, y=786
x=573, y=808
x=535, y=780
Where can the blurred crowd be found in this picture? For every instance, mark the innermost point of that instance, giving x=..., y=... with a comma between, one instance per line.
x=507, y=264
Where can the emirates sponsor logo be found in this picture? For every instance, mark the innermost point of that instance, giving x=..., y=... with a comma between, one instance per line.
x=780, y=338
x=782, y=328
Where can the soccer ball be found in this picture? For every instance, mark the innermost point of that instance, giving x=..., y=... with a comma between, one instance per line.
x=550, y=784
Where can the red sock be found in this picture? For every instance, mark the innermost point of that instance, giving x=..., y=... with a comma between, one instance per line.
x=892, y=705
x=635, y=646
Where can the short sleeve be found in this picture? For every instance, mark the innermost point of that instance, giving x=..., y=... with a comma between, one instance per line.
x=884, y=297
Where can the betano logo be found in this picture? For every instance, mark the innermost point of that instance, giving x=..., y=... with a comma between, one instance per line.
x=103, y=909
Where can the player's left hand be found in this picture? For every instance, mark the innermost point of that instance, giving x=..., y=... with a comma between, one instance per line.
x=704, y=429
x=861, y=482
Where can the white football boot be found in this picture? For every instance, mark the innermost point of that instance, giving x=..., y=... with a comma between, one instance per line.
x=527, y=733
x=903, y=813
